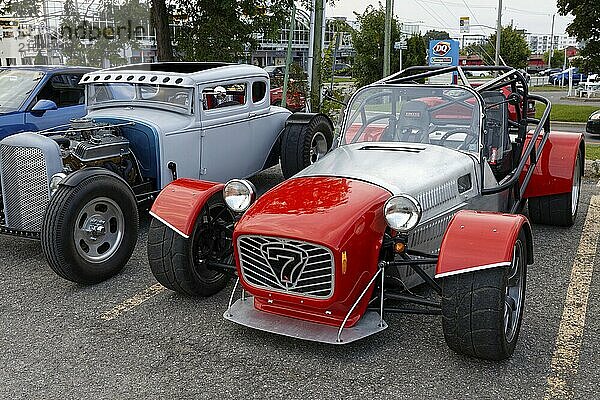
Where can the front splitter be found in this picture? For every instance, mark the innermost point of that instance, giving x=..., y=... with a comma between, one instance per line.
x=243, y=312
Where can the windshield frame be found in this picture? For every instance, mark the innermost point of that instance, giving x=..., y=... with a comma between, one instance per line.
x=139, y=101
x=382, y=86
x=32, y=90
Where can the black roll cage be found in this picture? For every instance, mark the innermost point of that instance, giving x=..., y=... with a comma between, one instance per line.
x=505, y=76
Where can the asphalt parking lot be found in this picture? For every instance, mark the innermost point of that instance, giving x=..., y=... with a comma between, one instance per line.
x=130, y=338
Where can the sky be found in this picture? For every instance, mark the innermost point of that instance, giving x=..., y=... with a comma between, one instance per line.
x=533, y=15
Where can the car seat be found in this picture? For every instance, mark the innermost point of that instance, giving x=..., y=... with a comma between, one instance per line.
x=497, y=145
x=414, y=122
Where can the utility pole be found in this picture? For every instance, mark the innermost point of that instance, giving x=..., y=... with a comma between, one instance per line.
x=498, y=32
x=551, y=43
x=387, y=41
x=315, y=84
x=288, y=57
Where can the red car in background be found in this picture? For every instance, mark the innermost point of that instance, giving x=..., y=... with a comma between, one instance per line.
x=296, y=101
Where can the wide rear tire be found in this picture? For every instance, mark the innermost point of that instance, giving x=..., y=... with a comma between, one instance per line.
x=559, y=209
x=90, y=230
x=482, y=310
x=305, y=144
x=178, y=263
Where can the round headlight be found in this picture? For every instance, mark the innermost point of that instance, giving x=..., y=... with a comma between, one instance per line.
x=402, y=213
x=55, y=181
x=239, y=194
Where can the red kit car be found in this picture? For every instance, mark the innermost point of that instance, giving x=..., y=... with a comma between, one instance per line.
x=425, y=186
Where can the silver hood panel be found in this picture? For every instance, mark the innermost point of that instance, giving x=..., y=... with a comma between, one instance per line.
x=427, y=172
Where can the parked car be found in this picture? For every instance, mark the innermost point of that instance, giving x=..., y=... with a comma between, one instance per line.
x=78, y=190
x=550, y=71
x=593, y=123
x=563, y=76
x=34, y=98
x=426, y=186
x=275, y=71
x=295, y=100
x=342, y=69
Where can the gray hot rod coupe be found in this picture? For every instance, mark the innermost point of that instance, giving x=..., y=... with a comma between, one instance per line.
x=425, y=187
x=78, y=188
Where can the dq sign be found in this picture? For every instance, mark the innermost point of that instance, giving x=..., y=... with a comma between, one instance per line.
x=443, y=52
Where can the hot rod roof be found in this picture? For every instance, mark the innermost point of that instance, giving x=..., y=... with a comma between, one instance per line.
x=186, y=74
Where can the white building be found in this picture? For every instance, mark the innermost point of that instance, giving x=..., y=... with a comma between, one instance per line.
x=539, y=44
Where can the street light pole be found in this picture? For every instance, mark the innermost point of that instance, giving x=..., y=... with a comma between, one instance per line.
x=498, y=32
x=551, y=43
x=387, y=41
x=315, y=84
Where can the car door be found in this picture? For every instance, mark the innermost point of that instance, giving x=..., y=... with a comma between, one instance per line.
x=226, y=145
x=64, y=90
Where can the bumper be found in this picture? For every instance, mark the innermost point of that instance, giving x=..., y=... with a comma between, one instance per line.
x=243, y=312
x=19, y=233
x=593, y=127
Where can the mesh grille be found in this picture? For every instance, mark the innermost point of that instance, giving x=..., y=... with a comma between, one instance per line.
x=25, y=187
x=286, y=266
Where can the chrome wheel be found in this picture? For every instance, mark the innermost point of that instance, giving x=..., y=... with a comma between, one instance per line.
x=576, y=187
x=514, y=294
x=99, y=230
x=318, y=147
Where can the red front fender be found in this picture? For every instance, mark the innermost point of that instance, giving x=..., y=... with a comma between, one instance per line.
x=553, y=172
x=478, y=240
x=180, y=202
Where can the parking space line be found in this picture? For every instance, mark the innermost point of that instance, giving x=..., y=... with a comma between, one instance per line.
x=565, y=360
x=132, y=302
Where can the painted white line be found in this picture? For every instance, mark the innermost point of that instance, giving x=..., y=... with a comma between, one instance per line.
x=132, y=302
x=565, y=360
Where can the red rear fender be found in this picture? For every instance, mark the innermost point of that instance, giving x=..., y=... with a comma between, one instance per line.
x=180, y=202
x=478, y=240
x=553, y=173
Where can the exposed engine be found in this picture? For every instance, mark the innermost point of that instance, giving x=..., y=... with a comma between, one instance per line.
x=88, y=143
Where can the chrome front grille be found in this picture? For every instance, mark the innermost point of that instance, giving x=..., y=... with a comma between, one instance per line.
x=25, y=189
x=287, y=266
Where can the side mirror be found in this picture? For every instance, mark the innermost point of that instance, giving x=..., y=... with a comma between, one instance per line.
x=42, y=106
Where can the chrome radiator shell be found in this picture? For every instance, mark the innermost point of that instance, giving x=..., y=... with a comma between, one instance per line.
x=308, y=269
x=27, y=163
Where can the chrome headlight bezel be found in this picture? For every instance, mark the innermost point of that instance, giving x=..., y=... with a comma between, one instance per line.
x=595, y=116
x=402, y=213
x=239, y=195
x=55, y=182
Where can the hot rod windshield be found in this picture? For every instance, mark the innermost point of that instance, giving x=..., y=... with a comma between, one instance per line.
x=447, y=116
x=100, y=93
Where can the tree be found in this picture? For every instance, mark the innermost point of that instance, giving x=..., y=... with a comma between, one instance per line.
x=368, y=42
x=224, y=30
x=513, y=47
x=558, y=59
x=21, y=8
x=435, y=35
x=585, y=27
x=416, y=52
x=160, y=22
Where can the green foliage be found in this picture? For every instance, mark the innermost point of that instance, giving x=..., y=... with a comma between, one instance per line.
x=435, y=35
x=585, y=28
x=416, y=53
x=224, y=30
x=21, y=8
x=513, y=47
x=105, y=43
x=567, y=112
x=558, y=58
x=368, y=43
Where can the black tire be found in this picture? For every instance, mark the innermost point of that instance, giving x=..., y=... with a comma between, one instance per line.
x=176, y=262
x=474, y=306
x=68, y=217
x=298, y=141
x=559, y=209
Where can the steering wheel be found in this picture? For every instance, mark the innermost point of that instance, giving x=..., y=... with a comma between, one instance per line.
x=391, y=117
x=469, y=139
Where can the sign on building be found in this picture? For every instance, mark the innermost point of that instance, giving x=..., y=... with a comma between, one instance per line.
x=465, y=24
